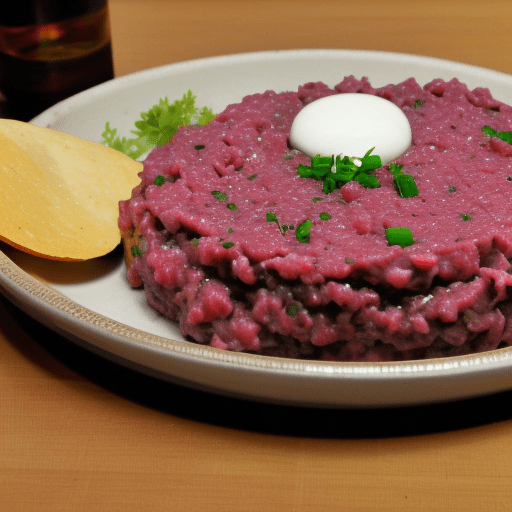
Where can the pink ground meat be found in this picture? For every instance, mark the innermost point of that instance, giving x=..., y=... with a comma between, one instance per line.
x=211, y=261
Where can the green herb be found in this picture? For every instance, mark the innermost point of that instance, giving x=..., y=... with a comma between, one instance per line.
x=220, y=196
x=199, y=146
x=316, y=199
x=506, y=136
x=231, y=206
x=325, y=216
x=418, y=103
x=399, y=236
x=465, y=216
x=227, y=245
x=337, y=172
x=272, y=217
x=292, y=310
x=229, y=230
x=452, y=188
x=404, y=183
x=252, y=177
x=367, y=180
x=159, y=180
x=158, y=125
x=303, y=231
x=135, y=251
x=194, y=241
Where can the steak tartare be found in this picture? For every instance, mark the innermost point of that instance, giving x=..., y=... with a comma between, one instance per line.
x=247, y=255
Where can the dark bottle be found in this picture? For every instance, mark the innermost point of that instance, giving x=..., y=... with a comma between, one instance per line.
x=50, y=50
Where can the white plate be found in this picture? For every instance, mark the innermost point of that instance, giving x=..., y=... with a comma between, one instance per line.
x=103, y=313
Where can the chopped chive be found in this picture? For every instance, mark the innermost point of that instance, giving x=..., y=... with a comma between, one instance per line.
x=194, y=241
x=292, y=310
x=229, y=230
x=322, y=163
x=406, y=185
x=506, y=136
x=159, y=180
x=328, y=186
x=199, y=146
x=272, y=217
x=252, y=177
x=304, y=171
x=231, y=206
x=220, y=196
x=399, y=236
x=325, y=216
x=227, y=245
x=135, y=251
x=396, y=168
x=316, y=199
x=367, y=180
x=302, y=233
x=465, y=216
x=345, y=170
x=418, y=103
x=452, y=188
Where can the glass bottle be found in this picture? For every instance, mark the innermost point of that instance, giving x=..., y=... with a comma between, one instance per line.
x=50, y=50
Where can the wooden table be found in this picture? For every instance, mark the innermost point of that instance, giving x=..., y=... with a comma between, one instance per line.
x=78, y=433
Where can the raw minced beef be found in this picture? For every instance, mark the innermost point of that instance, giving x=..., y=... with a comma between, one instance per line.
x=209, y=258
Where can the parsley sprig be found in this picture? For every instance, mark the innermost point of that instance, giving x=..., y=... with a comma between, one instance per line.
x=158, y=125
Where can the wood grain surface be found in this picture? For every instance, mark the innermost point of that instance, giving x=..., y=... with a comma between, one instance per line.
x=79, y=433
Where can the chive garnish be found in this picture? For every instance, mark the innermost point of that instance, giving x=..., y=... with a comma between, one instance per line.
x=367, y=180
x=194, y=241
x=506, y=136
x=229, y=230
x=272, y=217
x=418, y=103
x=465, y=216
x=302, y=233
x=404, y=183
x=159, y=180
x=231, y=206
x=452, y=188
x=337, y=172
x=227, y=245
x=220, y=196
x=199, y=146
x=135, y=251
x=325, y=216
x=399, y=236
x=252, y=177
x=292, y=310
